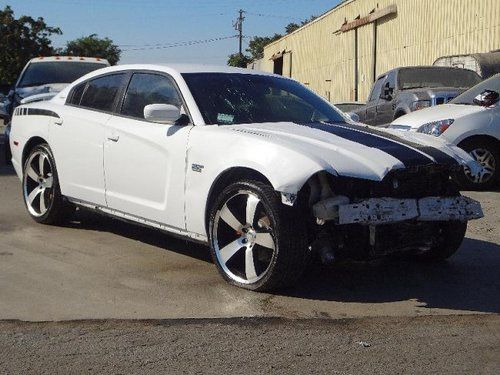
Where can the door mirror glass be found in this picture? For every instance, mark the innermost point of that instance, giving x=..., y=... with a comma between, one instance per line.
x=162, y=113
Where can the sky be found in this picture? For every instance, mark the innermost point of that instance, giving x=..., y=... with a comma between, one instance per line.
x=143, y=28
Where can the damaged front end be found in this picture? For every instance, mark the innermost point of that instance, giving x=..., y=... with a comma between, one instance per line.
x=362, y=219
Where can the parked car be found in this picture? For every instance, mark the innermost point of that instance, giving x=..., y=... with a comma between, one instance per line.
x=404, y=90
x=255, y=165
x=43, y=77
x=470, y=123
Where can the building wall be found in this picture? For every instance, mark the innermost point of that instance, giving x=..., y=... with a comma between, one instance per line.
x=420, y=32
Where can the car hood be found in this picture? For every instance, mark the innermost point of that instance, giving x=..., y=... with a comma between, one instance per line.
x=25, y=92
x=357, y=150
x=440, y=112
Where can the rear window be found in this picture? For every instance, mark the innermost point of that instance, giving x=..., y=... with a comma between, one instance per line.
x=101, y=92
x=42, y=73
x=414, y=78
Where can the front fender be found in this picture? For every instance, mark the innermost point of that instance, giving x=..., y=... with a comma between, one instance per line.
x=213, y=151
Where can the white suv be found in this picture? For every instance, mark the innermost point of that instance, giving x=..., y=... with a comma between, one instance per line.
x=471, y=125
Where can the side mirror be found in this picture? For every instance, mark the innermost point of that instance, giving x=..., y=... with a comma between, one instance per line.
x=162, y=113
x=353, y=116
x=487, y=98
x=387, y=92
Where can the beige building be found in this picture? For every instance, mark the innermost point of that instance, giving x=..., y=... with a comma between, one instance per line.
x=342, y=51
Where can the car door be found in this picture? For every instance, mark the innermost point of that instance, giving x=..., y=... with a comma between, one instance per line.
x=77, y=137
x=145, y=162
x=385, y=105
x=371, y=105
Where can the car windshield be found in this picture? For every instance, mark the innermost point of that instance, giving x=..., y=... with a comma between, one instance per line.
x=468, y=96
x=233, y=98
x=42, y=73
x=413, y=78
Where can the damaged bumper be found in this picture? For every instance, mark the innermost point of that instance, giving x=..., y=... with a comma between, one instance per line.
x=376, y=211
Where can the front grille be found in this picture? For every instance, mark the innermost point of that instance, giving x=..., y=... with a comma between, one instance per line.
x=405, y=183
x=443, y=99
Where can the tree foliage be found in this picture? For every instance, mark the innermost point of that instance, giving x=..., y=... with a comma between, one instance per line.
x=93, y=46
x=20, y=40
x=239, y=61
x=257, y=44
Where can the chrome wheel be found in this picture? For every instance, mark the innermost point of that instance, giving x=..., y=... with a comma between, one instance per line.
x=243, y=238
x=487, y=161
x=38, y=183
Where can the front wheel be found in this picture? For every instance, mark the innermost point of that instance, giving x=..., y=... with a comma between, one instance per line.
x=41, y=192
x=256, y=242
x=450, y=237
x=487, y=154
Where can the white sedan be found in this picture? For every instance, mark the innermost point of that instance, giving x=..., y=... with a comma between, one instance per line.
x=255, y=165
x=472, y=122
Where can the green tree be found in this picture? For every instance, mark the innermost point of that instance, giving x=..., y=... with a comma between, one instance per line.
x=240, y=61
x=291, y=27
x=20, y=40
x=93, y=46
x=257, y=44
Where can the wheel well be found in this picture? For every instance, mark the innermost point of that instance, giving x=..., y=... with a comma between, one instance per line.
x=479, y=138
x=30, y=145
x=228, y=177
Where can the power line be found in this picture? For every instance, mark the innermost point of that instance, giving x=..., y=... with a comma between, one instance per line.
x=179, y=44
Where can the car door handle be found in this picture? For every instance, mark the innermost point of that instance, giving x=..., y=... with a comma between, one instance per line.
x=58, y=121
x=114, y=138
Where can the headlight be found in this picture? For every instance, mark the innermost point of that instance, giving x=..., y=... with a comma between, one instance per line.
x=435, y=128
x=420, y=104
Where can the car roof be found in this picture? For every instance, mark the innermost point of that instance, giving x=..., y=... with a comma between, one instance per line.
x=179, y=69
x=83, y=59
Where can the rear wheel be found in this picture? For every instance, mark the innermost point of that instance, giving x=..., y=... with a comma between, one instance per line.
x=256, y=242
x=41, y=192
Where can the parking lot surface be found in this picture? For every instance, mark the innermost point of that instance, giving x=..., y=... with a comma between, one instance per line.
x=100, y=268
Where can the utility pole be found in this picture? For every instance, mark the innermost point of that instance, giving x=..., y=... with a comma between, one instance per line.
x=238, y=26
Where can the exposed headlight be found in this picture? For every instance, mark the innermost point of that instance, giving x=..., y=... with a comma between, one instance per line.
x=420, y=104
x=435, y=128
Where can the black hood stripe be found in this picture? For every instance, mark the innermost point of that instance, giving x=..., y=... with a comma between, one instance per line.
x=409, y=153
x=439, y=156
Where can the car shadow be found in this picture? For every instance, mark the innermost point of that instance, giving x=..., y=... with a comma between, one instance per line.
x=88, y=220
x=469, y=281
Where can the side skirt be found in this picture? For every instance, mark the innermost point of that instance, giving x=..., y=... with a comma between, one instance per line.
x=195, y=237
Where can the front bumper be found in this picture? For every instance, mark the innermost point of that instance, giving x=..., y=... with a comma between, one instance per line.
x=375, y=211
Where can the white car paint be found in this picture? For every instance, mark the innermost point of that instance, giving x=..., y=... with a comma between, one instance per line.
x=469, y=119
x=163, y=175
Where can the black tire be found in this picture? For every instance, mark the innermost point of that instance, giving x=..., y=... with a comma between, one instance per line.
x=275, y=267
x=451, y=237
x=477, y=147
x=56, y=209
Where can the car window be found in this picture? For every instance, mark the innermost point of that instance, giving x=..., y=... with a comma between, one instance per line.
x=391, y=79
x=147, y=88
x=377, y=87
x=42, y=73
x=76, y=95
x=468, y=96
x=234, y=98
x=101, y=92
x=414, y=78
